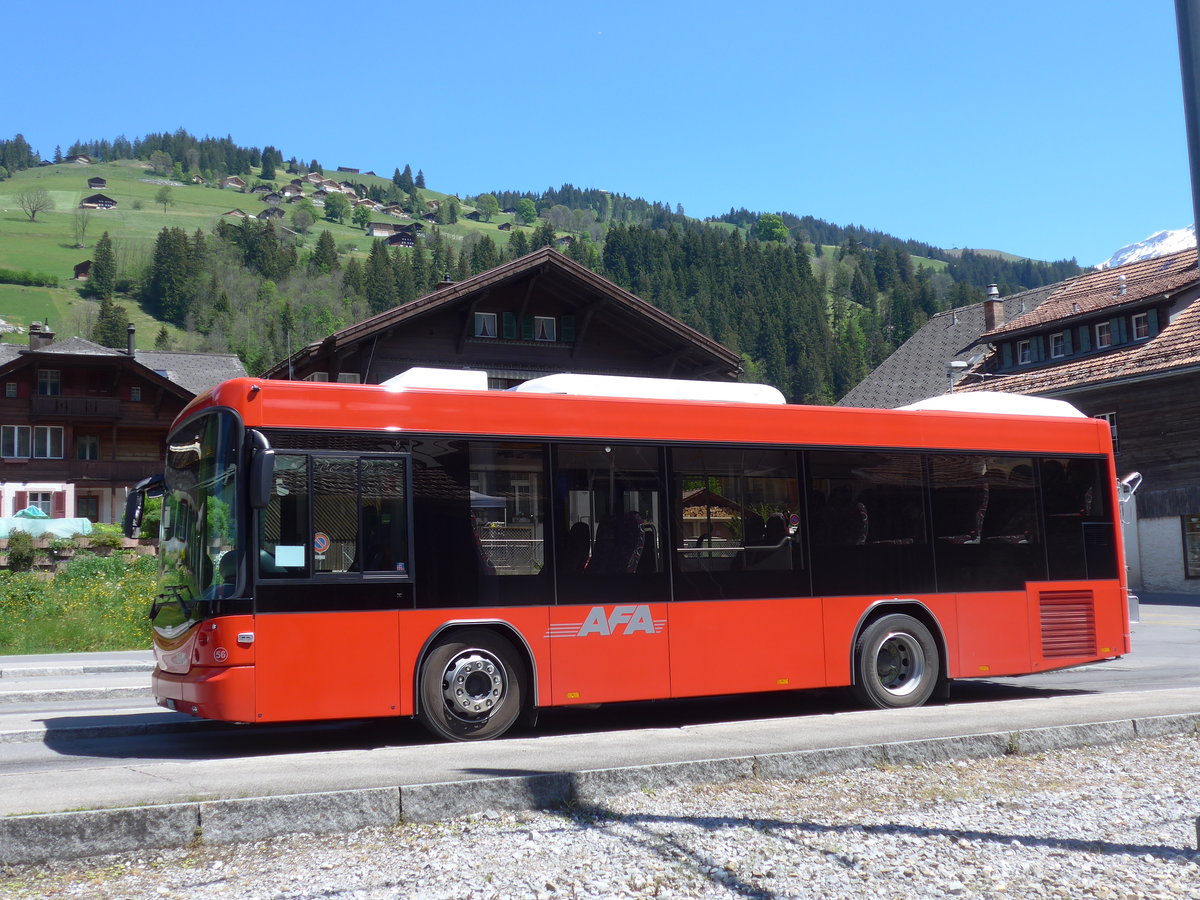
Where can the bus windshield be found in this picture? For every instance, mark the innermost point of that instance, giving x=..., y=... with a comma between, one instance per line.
x=199, y=538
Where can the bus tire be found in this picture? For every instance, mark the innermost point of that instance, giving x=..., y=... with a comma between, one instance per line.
x=896, y=663
x=471, y=686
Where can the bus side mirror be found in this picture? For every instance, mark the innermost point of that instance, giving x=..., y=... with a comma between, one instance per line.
x=1129, y=485
x=262, y=478
x=135, y=503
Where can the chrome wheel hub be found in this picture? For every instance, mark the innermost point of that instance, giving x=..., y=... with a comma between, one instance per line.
x=474, y=684
x=900, y=664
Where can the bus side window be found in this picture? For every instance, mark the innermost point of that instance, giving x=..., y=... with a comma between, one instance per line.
x=283, y=525
x=608, y=500
x=737, y=523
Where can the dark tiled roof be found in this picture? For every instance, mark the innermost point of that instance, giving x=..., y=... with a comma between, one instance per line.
x=917, y=370
x=1102, y=290
x=194, y=371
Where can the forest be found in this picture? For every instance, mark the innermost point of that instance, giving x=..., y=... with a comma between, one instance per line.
x=811, y=307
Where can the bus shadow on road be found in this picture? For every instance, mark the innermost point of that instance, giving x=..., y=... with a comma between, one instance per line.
x=164, y=736
x=147, y=737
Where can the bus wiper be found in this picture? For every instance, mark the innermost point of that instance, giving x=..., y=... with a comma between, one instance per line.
x=173, y=594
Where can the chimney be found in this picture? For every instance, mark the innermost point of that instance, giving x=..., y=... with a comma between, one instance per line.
x=993, y=309
x=40, y=335
x=129, y=339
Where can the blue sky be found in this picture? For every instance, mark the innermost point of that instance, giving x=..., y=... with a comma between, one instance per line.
x=1052, y=129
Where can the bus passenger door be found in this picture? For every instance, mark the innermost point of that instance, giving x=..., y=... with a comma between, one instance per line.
x=333, y=551
x=608, y=632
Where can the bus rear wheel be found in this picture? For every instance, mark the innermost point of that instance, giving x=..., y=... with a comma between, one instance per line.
x=896, y=663
x=471, y=685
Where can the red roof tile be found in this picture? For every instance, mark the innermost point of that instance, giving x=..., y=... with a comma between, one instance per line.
x=1101, y=290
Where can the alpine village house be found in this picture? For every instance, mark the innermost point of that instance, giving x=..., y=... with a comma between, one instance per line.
x=81, y=423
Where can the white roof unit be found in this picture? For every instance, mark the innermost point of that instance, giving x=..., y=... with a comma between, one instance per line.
x=446, y=379
x=999, y=403
x=651, y=388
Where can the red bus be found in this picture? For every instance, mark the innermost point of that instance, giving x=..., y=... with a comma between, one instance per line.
x=469, y=555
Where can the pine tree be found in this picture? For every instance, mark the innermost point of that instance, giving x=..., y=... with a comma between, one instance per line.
x=112, y=325
x=518, y=244
x=268, y=164
x=353, y=283
x=103, y=278
x=484, y=255
x=325, y=257
x=163, y=340
x=420, y=181
x=379, y=282
x=543, y=235
x=406, y=183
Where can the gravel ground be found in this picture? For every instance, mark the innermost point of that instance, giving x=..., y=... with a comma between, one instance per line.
x=1114, y=822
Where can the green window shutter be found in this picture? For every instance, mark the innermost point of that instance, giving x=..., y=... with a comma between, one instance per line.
x=1035, y=346
x=1067, y=342
x=1085, y=338
x=1120, y=334
x=527, y=328
x=1152, y=319
x=1006, y=349
x=510, y=326
x=566, y=329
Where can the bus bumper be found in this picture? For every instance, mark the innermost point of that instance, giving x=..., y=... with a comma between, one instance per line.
x=220, y=692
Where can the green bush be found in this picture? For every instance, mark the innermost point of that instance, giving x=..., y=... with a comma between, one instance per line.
x=20, y=551
x=92, y=603
x=27, y=279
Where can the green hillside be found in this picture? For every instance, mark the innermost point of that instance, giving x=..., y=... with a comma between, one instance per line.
x=47, y=244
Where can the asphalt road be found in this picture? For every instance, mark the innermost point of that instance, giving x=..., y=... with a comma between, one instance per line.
x=82, y=734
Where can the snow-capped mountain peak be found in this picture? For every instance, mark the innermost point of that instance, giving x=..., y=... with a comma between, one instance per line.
x=1158, y=244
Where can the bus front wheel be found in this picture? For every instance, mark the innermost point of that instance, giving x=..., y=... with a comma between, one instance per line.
x=896, y=663
x=471, y=686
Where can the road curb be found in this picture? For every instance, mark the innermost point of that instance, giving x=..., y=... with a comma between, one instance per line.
x=73, y=694
x=70, y=835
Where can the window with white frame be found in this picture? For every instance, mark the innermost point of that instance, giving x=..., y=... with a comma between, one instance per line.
x=544, y=328
x=1058, y=345
x=1103, y=334
x=49, y=382
x=15, y=441
x=1111, y=419
x=10, y=389
x=1024, y=352
x=485, y=325
x=47, y=442
x=43, y=500
x=135, y=394
x=1141, y=326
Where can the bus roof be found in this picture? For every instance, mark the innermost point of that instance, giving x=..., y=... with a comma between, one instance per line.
x=513, y=415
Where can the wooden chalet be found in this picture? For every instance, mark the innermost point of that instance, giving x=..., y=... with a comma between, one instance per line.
x=97, y=201
x=83, y=270
x=233, y=181
x=539, y=314
x=80, y=423
x=97, y=183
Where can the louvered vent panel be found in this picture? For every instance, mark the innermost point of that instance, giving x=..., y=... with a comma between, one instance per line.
x=1068, y=624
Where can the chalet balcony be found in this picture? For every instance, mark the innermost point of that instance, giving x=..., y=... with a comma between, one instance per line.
x=79, y=471
x=76, y=407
